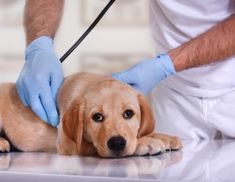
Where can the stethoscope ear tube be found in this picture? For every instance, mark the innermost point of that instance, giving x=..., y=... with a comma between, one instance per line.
x=90, y=28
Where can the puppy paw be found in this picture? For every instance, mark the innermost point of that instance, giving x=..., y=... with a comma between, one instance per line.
x=149, y=146
x=175, y=143
x=4, y=146
x=171, y=142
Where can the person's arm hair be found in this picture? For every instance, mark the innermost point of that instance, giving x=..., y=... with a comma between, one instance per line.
x=42, y=18
x=212, y=46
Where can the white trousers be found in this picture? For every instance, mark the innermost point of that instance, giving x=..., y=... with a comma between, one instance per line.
x=191, y=117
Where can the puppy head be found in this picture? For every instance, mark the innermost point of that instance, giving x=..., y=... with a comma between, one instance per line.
x=111, y=116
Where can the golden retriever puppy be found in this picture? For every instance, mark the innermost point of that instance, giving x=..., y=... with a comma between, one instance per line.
x=99, y=115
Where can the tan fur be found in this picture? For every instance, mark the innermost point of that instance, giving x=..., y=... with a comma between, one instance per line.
x=4, y=145
x=80, y=96
x=25, y=130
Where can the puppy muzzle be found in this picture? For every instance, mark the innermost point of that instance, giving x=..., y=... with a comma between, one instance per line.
x=116, y=144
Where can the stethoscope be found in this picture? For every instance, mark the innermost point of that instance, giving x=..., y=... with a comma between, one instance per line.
x=90, y=28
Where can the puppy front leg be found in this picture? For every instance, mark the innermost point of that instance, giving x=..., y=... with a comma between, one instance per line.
x=4, y=145
x=171, y=142
x=149, y=146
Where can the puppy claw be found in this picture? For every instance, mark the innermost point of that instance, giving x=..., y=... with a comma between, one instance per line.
x=149, y=146
x=4, y=150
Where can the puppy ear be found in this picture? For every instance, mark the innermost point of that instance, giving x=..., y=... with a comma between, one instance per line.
x=147, y=122
x=72, y=123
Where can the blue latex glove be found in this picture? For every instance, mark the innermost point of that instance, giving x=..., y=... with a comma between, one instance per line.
x=40, y=79
x=145, y=75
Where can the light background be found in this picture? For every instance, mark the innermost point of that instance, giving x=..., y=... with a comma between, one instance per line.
x=121, y=39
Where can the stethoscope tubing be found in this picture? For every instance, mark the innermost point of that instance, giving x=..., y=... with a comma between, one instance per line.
x=90, y=28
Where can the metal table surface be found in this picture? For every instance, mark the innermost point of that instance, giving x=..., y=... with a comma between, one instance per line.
x=198, y=161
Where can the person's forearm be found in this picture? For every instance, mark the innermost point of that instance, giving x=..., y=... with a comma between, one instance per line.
x=214, y=45
x=42, y=18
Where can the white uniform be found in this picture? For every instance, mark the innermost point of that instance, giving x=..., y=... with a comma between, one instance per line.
x=198, y=102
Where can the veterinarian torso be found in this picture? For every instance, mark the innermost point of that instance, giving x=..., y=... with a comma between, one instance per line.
x=178, y=21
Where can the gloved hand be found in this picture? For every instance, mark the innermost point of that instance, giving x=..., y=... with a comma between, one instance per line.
x=145, y=75
x=40, y=79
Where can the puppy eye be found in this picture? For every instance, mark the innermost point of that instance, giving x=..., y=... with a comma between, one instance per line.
x=128, y=114
x=97, y=117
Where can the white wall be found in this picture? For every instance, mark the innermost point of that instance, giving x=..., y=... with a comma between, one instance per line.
x=108, y=48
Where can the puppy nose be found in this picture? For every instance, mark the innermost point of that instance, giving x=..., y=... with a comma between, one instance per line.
x=116, y=143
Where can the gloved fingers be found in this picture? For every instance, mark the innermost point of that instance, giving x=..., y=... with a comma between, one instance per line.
x=27, y=92
x=124, y=76
x=131, y=79
x=37, y=107
x=56, y=81
x=49, y=106
x=141, y=90
x=21, y=93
